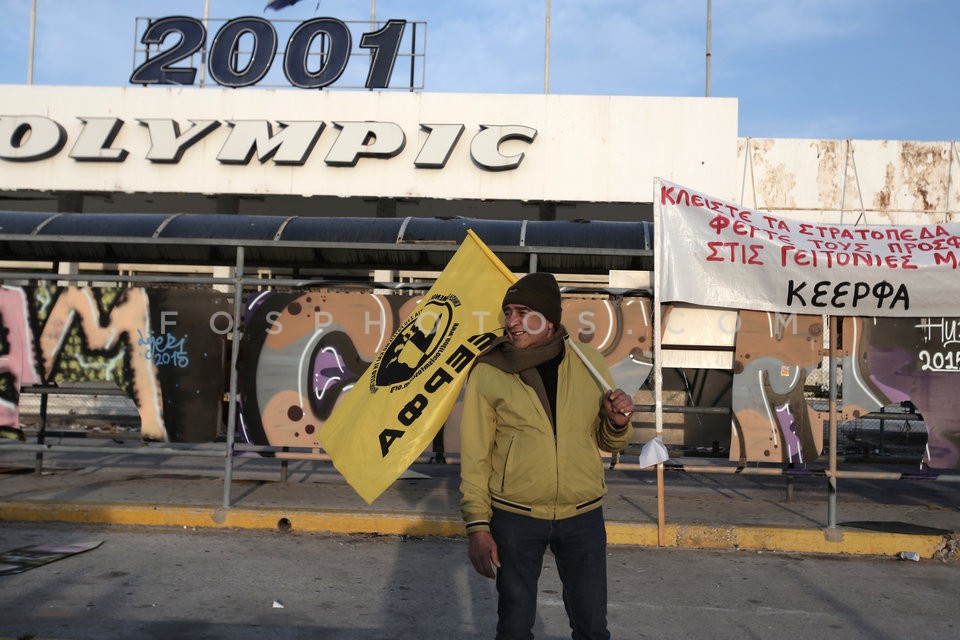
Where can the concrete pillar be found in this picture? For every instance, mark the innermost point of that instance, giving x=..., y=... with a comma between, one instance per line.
x=70, y=202
x=228, y=204
x=386, y=208
x=548, y=211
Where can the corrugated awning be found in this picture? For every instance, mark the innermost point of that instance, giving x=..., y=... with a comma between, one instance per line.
x=275, y=241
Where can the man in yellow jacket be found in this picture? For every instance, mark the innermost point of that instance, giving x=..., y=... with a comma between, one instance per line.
x=534, y=422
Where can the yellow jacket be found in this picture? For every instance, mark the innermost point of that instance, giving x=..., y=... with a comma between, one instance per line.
x=510, y=457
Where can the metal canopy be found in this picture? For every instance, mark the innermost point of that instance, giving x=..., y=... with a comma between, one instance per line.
x=591, y=247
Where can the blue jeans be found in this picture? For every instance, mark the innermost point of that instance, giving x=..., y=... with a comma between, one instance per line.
x=579, y=545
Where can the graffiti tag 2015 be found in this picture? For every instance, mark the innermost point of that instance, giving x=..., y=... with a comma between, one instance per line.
x=164, y=349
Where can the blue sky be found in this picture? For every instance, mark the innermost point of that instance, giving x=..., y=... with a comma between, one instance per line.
x=862, y=69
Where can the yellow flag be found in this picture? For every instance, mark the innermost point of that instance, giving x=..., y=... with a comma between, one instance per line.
x=403, y=398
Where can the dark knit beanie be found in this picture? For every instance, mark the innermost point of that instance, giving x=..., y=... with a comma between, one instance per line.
x=540, y=292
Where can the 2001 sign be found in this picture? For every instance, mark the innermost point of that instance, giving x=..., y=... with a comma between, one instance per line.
x=224, y=54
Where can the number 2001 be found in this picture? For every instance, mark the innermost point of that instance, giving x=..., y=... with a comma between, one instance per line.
x=223, y=58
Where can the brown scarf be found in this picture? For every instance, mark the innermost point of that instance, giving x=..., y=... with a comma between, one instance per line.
x=506, y=357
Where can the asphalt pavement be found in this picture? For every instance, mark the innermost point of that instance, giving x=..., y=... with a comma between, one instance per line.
x=162, y=583
x=707, y=503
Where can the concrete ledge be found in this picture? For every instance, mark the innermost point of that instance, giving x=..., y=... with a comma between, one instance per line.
x=782, y=539
x=165, y=515
x=693, y=536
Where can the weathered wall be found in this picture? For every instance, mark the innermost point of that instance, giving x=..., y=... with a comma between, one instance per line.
x=876, y=182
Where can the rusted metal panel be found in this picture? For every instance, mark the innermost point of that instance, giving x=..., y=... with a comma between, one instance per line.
x=851, y=181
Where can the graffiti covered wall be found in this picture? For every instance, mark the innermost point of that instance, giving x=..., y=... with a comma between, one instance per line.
x=302, y=351
x=166, y=349
x=916, y=360
x=774, y=356
x=159, y=346
x=885, y=361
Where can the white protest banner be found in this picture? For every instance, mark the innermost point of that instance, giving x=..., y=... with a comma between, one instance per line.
x=718, y=254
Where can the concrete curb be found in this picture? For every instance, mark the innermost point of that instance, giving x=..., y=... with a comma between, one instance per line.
x=691, y=536
x=780, y=539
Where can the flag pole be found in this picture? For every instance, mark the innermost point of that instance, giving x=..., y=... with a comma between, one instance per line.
x=203, y=54
x=657, y=360
x=592, y=369
x=33, y=39
x=546, y=53
x=709, y=54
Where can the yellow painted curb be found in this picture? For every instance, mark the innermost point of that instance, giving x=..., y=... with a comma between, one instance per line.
x=693, y=536
x=166, y=515
x=783, y=539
